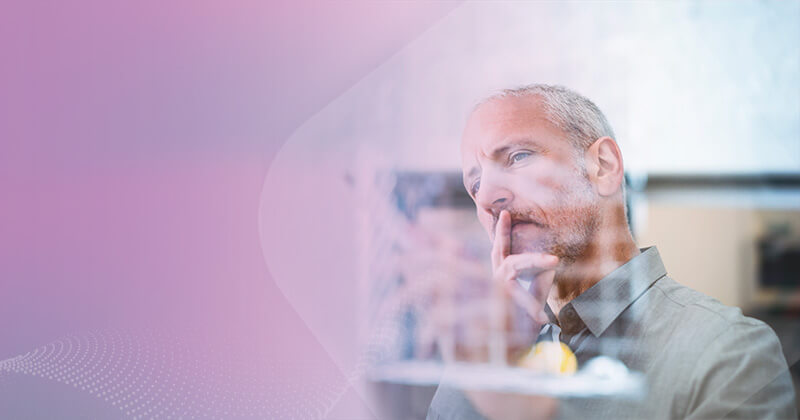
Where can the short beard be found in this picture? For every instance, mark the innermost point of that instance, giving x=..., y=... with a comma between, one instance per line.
x=577, y=223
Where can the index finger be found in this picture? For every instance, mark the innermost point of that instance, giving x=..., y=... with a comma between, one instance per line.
x=501, y=247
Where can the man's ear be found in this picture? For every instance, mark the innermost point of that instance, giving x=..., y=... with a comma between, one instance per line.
x=604, y=166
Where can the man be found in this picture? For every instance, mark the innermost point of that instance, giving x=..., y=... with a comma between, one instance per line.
x=546, y=175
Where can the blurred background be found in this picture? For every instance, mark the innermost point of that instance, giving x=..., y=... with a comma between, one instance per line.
x=232, y=209
x=704, y=98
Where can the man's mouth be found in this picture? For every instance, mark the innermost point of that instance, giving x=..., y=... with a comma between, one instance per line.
x=521, y=219
x=520, y=223
x=525, y=222
x=528, y=236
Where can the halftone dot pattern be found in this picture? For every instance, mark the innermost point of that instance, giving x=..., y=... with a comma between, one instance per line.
x=157, y=376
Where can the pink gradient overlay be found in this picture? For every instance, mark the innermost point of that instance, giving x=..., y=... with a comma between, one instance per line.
x=135, y=142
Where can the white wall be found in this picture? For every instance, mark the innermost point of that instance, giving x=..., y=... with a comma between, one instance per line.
x=690, y=87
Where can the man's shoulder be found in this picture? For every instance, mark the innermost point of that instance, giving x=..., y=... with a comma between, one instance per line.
x=704, y=315
x=733, y=365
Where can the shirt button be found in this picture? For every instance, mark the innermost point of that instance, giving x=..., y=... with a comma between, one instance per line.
x=569, y=320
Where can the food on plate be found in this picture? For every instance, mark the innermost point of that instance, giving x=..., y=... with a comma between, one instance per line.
x=550, y=357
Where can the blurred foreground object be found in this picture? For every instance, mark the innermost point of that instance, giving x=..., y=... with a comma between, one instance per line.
x=550, y=357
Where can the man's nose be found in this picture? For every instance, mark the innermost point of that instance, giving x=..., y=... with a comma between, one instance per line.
x=493, y=198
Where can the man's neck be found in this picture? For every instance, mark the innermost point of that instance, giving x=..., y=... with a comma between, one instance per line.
x=600, y=259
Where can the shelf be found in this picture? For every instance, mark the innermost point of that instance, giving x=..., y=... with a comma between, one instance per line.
x=484, y=377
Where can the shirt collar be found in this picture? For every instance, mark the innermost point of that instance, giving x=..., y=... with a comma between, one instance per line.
x=601, y=304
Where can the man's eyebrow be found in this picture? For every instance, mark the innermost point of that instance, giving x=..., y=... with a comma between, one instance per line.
x=514, y=143
x=502, y=150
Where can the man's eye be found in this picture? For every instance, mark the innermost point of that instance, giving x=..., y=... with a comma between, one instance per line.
x=518, y=156
x=475, y=186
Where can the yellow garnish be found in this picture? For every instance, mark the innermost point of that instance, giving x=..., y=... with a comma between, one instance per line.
x=550, y=357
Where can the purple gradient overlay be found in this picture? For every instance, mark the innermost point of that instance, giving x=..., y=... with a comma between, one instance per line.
x=135, y=141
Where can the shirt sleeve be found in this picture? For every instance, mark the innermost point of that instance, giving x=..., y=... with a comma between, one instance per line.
x=742, y=374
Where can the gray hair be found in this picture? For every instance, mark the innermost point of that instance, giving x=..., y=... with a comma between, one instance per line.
x=576, y=115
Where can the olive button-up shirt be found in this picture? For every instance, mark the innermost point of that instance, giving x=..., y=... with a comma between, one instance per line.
x=701, y=359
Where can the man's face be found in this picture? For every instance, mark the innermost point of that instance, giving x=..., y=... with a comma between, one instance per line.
x=516, y=160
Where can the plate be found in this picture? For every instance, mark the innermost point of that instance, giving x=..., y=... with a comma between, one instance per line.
x=507, y=379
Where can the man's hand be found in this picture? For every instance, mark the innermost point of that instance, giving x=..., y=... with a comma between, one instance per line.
x=537, y=269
